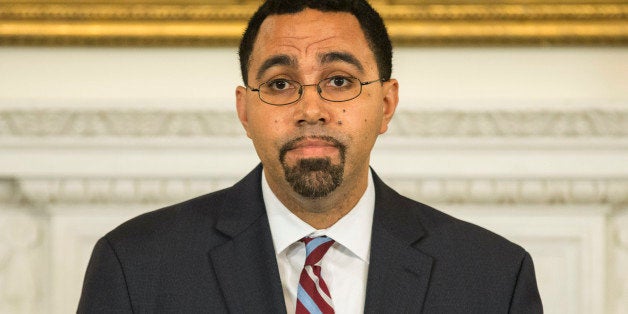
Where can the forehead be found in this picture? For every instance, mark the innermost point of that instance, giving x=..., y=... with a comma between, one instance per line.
x=310, y=33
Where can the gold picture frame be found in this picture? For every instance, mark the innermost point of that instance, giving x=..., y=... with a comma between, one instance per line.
x=221, y=22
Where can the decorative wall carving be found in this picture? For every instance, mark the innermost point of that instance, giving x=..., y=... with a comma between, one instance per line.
x=618, y=290
x=455, y=191
x=502, y=123
x=21, y=273
x=110, y=123
x=515, y=191
x=206, y=123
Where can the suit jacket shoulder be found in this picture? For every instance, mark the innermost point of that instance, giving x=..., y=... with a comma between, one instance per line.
x=188, y=257
x=158, y=225
x=432, y=262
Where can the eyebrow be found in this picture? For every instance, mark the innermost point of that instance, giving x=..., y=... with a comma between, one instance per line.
x=324, y=58
x=336, y=56
x=283, y=60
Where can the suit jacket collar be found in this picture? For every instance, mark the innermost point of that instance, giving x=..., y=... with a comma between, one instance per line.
x=245, y=265
x=243, y=205
x=399, y=272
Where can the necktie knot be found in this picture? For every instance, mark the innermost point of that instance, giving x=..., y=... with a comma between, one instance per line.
x=315, y=248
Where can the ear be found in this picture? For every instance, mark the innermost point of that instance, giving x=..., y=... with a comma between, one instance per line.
x=241, y=108
x=389, y=103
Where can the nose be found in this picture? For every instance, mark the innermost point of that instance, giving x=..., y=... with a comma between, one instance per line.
x=311, y=108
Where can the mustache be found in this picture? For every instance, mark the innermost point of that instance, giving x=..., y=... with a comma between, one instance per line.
x=293, y=143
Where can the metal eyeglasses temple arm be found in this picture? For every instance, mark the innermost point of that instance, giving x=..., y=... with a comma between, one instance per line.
x=378, y=80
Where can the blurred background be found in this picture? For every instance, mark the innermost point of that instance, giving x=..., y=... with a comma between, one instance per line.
x=513, y=115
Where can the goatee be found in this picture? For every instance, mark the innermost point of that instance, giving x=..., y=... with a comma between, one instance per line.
x=314, y=177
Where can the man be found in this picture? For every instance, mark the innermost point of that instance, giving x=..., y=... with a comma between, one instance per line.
x=312, y=229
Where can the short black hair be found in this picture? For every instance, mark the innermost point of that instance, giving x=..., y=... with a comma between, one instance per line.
x=370, y=21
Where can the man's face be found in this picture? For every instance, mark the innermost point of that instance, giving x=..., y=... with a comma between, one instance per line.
x=314, y=146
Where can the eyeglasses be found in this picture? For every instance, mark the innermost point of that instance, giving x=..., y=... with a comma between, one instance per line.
x=281, y=92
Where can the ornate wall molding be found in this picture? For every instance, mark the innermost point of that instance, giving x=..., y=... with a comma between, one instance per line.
x=515, y=191
x=205, y=123
x=221, y=22
x=116, y=123
x=21, y=250
x=619, y=252
x=51, y=191
x=504, y=123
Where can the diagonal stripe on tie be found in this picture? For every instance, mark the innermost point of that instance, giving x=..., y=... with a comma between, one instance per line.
x=312, y=294
x=310, y=286
x=306, y=301
x=321, y=288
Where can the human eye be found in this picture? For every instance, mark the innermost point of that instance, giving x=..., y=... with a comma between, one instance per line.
x=340, y=82
x=279, y=85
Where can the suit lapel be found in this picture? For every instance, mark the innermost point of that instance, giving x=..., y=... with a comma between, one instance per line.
x=246, y=266
x=398, y=272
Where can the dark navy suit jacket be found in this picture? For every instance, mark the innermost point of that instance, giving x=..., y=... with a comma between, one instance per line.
x=214, y=254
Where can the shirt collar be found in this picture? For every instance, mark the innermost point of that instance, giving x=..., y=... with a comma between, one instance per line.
x=353, y=231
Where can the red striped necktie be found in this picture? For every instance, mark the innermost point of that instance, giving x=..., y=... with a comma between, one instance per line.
x=312, y=294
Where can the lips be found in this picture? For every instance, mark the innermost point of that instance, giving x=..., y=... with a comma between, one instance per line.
x=312, y=147
x=313, y=142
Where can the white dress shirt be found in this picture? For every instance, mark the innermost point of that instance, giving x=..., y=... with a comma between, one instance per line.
x=344, y=267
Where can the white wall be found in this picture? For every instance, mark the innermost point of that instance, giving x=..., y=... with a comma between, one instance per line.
x=529, y=142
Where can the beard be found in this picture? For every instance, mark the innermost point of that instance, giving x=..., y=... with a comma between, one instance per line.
x=314, y=177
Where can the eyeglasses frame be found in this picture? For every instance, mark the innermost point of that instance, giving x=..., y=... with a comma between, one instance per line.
x=318, y=90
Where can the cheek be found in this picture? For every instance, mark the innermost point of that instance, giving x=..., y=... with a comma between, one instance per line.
x=268, y=130
x=358, y=120
x=266, y=148
x=266, y=120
